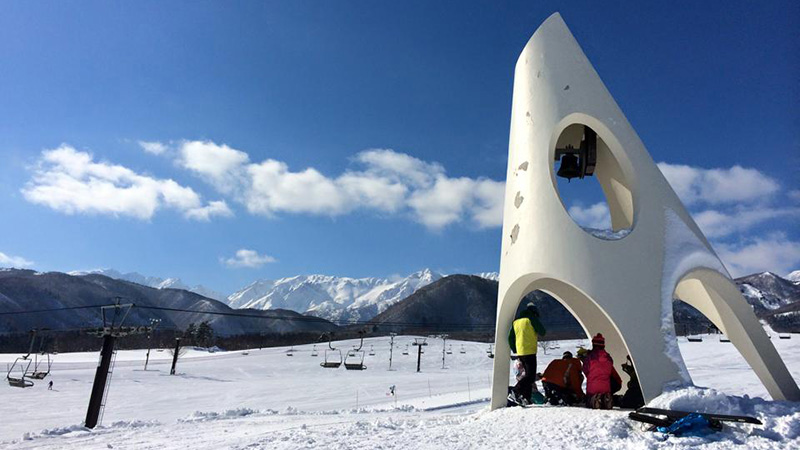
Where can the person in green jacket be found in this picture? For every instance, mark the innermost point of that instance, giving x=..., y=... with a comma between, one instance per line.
x=523, y=339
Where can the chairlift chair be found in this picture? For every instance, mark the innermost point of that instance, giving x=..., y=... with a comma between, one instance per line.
x=19, y=381
x=290, y=352
x=405, y=352
x=330, y=361
x=41, y=374
x=490, y=352
x=784, y=336
x=371, y=351
x=694, y=339
x=724, y=339
x=352, y=360
x=449, y=350
x=463, y=350
x=355, y=360
x=314, y=351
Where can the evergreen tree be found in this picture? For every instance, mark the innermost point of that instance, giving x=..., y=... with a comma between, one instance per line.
x=205, y=334
x=191, y=334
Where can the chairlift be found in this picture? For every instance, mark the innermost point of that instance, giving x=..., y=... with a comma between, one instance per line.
x=330, y=361
x=724, y=339
x=20, y=381
x=371, y=351
x=694, y=339
x=405, y=352
x=784, y=336
x=41, y=374
x=463, y=350
x=449, y=350
x=314, y=351
x=290, y=352
x=490, y=352
x=355, y=357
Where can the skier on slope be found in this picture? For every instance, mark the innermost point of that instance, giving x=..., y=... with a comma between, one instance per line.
x=602, y=380
x=523, y=339
x=562, y=381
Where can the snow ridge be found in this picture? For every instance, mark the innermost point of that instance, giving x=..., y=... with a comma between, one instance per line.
x=331, y=297
x=154, y=282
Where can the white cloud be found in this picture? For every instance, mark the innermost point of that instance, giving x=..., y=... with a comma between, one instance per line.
x=717, y=224
x=794, y=194
x=274, y=188
x=70, y=181
x=400, y=166
x=14, y=261
x=775, y=253
x=717, y=186
x=388, y=182
x=156, y=148
x=247, y=258
x=595, y=216
x=205, y=213
x=220, y=165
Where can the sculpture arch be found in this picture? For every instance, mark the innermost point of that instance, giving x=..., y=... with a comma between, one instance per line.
x=622, y=288
x=590, y=315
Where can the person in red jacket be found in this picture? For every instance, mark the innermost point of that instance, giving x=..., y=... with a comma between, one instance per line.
x=602, y=380
x=562, y=381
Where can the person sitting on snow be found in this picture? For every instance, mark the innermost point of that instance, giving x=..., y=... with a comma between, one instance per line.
x=562, y=381
x=602, y=380
x=523, y=340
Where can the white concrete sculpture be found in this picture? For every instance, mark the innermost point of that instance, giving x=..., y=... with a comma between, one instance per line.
x=623, y=287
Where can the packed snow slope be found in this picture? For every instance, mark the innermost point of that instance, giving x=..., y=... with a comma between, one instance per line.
x=265, y=399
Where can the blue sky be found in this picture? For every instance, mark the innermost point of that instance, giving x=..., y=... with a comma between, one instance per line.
x=221, y=142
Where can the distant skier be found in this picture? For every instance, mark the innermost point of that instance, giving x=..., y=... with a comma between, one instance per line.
x=562, y=381
x=602, y=380
x=523, y=339
x=50, y=385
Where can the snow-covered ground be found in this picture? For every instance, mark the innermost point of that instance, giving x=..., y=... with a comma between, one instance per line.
x=268, y=400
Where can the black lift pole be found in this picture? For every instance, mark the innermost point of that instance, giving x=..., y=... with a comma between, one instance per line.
x=109, y=332
x=175, y=355
x=100, y=381
x=419, y=342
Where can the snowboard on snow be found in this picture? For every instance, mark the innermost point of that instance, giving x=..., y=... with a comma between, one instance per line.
x=669, y=417
x=674, y=415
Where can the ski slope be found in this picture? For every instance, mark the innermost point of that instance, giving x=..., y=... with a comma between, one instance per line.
x=266, y=399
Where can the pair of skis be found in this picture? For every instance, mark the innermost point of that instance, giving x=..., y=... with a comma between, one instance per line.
x=666, y=417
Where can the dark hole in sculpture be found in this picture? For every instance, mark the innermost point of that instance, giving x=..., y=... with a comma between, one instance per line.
x=578, y=162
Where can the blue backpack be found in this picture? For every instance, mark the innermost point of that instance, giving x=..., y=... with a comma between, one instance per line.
x=690, y=425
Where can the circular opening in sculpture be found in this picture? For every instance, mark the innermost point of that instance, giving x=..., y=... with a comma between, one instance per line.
x=590, y=183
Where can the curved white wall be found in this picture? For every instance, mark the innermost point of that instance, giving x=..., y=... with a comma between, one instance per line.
x=620, y=288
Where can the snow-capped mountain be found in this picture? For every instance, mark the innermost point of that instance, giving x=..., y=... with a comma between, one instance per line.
x=768, y=291
x=330, y=297
x=794, y=277
x=155, y=282
x=494, y=276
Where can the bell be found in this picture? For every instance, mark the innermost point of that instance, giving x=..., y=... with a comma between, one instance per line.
x=569, y=168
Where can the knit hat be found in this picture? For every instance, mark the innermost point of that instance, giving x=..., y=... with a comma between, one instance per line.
x=598, y=340
x=567, y=355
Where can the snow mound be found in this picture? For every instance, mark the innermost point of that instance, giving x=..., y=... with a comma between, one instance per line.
x=200, y=416
x=781, y=419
